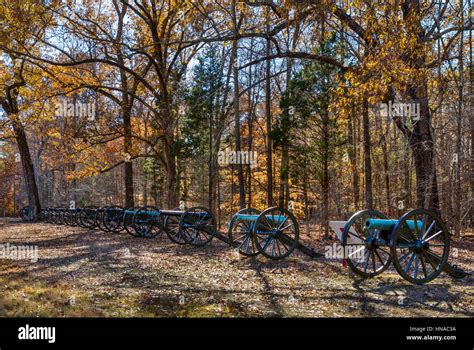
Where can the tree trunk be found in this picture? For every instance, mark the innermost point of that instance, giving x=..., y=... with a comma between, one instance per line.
x=126, y=105
x=10, y=106
x=426, y=181
x=352, y=154
x=250, y=148
x=284, y=175
x=250, y=138
x=170, y=159
x=128, y=165
x=306, y=199
x=407, y=176
x=28, y=169
x=458, y=191
x=421, y=139
x=268, y=122
x=240, y=170
x=285, y=153
x=213, y=172
x=471, y=120
x=218, y=201
x=422, y=146
x=325, y=174
x=211, y=178
x=386, y=175
x=145, y=190
x=367, y=160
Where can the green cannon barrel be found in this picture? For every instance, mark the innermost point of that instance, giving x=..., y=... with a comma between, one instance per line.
x=388, y=224
x=143, y=212
x=253, y=217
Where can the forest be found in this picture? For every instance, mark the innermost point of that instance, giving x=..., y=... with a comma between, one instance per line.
x=237, y=158
x=326, y=107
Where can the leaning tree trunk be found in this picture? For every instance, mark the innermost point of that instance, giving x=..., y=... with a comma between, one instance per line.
x=10, y=106
x=28, y=169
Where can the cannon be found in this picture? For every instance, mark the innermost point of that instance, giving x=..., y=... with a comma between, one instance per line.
x=195, y=226
x=112, y=219
x=417, y=244
x=190, y=226
x=146, y=221
x=25, y=213
x=127, y=221
x=47, y=214
x=43, y=214
x=70, y=217
x=56, y=216
x=87, y=217
x=274, y=233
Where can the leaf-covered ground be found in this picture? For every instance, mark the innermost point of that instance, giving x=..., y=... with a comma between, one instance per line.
x=91, y=273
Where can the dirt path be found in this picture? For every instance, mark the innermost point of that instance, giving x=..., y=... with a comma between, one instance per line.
x=90, y=273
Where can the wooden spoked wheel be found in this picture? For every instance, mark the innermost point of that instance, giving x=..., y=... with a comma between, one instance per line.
x=70, y=217
x=197, y=226
x=276, y=233
x=87, y=217
x=366, y=251
x=240, y=232
x=113, y=219
x=171, y=225
x=128, y=221
x=147, y=222
x=99, y=219
x=420, y=246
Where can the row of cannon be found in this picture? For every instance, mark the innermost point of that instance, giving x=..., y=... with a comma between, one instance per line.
x=417, y=244
x=274, y=233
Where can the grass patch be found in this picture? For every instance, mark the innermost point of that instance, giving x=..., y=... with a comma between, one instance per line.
x=22, y=298
x=33, y=299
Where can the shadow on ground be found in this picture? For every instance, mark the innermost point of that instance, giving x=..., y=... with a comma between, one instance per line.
x=91, y=273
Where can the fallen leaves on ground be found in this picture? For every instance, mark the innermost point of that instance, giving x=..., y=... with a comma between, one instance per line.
x=91, y=273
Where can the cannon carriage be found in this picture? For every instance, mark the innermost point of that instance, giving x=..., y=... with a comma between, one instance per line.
x=417, y=245
x=274, y=233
